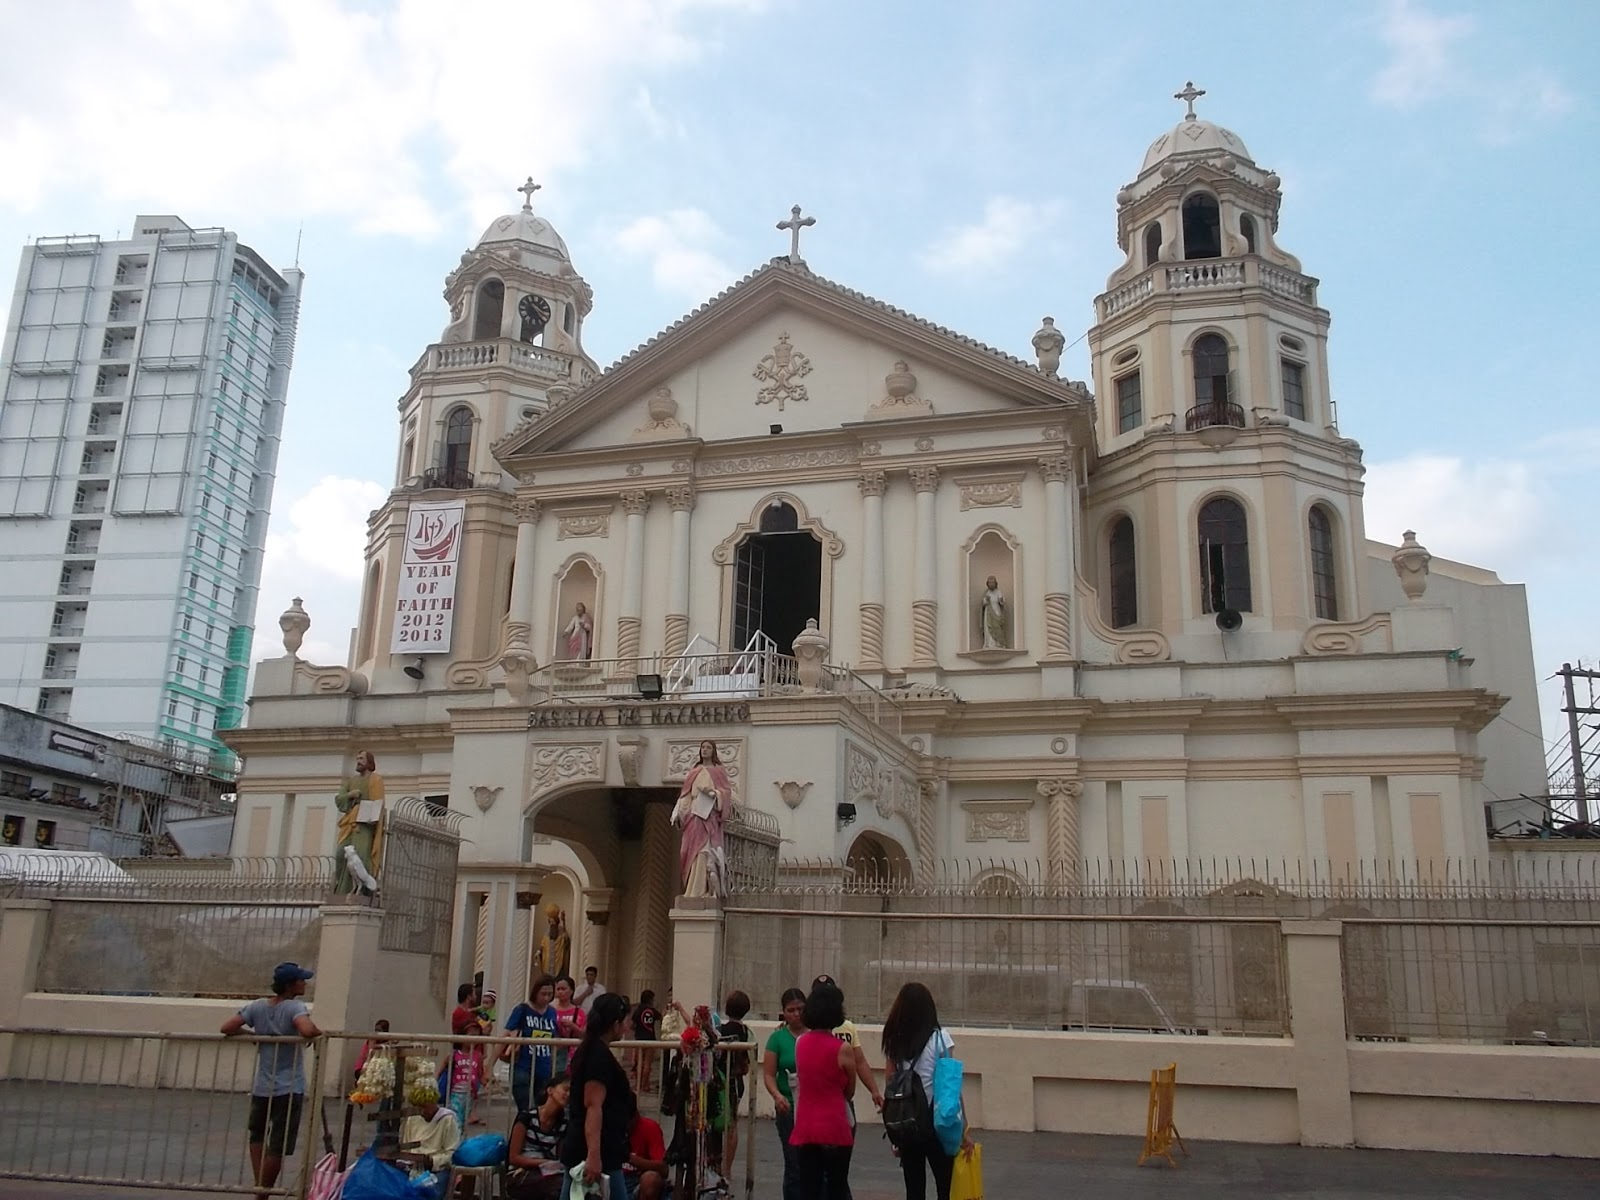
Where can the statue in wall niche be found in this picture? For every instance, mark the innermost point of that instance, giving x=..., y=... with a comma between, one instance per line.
x=702, y=807
x=553, y=957
x=578, y=636
x=1048, y=344
x=360, y=850
x=992, y=616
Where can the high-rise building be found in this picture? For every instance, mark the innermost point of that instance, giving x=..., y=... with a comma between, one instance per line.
x=142, y=384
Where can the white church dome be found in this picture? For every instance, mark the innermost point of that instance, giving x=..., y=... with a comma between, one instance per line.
x=524, y=226
x=1194, y=136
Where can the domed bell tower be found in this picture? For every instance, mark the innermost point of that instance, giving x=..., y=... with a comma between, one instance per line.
x=513, y=348
x=1226, y=502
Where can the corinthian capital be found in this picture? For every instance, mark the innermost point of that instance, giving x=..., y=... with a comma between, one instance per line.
x=925, y=479
x=1056, y=468
x=681, y=499
x=527, y=512
x=635, y=502
x=872, y=483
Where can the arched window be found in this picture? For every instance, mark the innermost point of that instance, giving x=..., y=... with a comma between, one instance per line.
x=1124, y=579
x=1152, y=243
x=779, y=517
x=456, y=466
x=1202, y=227
x=1324, y=575
x=1247, y=230
x=490, y=311
x=1210, y=354
x=568, y=321
x=1224, y=556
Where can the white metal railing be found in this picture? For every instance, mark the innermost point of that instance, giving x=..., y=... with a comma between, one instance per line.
x=682, y=669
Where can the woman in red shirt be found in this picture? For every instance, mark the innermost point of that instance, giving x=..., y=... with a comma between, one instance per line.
x=825, y=1069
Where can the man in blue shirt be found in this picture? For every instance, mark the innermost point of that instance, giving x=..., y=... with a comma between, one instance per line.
x=279, y=1089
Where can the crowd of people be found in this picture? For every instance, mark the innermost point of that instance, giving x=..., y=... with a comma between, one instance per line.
x=578, y=1108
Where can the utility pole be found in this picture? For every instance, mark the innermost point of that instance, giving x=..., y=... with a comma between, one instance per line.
x=1580, y=789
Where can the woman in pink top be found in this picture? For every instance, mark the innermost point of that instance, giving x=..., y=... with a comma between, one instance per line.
x=826, y=1074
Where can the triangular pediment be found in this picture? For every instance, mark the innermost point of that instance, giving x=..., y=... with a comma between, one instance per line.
x=787, y=347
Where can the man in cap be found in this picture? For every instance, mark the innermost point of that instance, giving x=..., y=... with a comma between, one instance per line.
x=279, y=1089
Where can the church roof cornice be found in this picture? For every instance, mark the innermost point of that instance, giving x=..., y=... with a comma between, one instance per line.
x=781, y=281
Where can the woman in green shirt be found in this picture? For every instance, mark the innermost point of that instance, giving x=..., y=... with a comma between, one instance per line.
x=779, y=1075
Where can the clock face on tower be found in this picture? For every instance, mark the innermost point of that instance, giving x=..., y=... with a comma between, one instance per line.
x=535, y=313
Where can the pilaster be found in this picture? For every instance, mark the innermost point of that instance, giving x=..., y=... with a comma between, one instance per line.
x=925, y=601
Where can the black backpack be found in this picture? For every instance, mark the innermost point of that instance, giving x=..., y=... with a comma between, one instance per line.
x=907, y=1113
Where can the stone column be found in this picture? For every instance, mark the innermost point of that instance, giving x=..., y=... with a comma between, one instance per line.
x=518, y=977
x=657, y=885
x=517, y=656
x=872, y=485
x=634, y=504
x=597, y=918
x=1066, y=848
x=925, y=601
x=681, y=500
x=1058, y=569
x=926, y=829
x=1317, y=1029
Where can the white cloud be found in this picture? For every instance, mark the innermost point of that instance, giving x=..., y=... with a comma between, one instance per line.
x=678, y=247
x=1007, y=225
x=662, y=126
x=301, y=107
x=315, y=549
x=1481, y=512
x=1421, y=46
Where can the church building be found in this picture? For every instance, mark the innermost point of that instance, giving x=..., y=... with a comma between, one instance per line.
x=930, y=601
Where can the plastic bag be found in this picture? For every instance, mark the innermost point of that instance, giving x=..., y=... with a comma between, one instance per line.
x=600, y=1189
x=949, y=1121
x=966, y=1176
x=373, y=1179
x=484, y=1150
x=327, y=1181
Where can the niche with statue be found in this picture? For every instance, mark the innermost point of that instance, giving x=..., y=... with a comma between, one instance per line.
x=576, y=616
x=993, y=575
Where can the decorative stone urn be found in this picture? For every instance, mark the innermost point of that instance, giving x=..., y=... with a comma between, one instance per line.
x=900, y=383
x=810, y=652
x=294, y=622
x=661, y=406
x=1048, y=344
x=1411, y=564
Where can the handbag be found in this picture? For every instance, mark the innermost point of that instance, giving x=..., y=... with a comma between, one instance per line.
x=949, y=1118
x=966, y=1175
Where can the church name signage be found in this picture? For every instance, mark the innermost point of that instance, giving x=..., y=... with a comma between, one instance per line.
x=575, y=717
x=425, y=598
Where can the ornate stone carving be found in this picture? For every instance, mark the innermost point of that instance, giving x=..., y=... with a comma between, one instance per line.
x=663, y=414
x=1053, y=433
x=991, y=493
x=325, y=680
x=871, y=449
x=872, y=483
x=628, y=637
x=1056, y=468
x=485, y=797
x=925, y=633
x=905, y=797
x=681, y=754
x=924, y=479
x=633, y=469
x=792, y=792
x=635, y=502
x=677, y=634
x=583, y=525
x=1057, y=626
x=680, y=499
x=860, y=773
x=556, y=766
x=527, y=512
x=782, y=371
x=1048, y=343
x=923, y=444
x=832, y=544
x=1348, y=637
x=1411, y=564
x=629, y=752
x=1062, y=795
x=900, y=398
x=682, y=466
x=923, y=828
x=997, y=820
x=810, y=652
x=294, y=622
x=789, y=460
x=872, y=637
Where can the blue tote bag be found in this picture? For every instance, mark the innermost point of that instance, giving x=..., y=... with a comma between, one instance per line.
x=949, y=1120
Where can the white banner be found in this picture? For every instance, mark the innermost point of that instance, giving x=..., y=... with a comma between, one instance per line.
x=425, y=599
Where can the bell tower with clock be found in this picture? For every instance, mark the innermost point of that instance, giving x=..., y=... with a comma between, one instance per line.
x=513, y=346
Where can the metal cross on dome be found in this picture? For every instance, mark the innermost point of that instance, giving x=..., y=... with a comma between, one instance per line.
x=794, y=225
x=1189, y=95
x=528, y=189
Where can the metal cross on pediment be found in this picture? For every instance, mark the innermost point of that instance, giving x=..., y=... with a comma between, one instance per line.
x=1189, y=95
x=794, y=225
x=527, y=190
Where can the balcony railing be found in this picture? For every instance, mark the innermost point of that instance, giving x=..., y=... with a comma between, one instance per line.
x=503, y=352
x=1201, y=274
x=441, y=477
x=1210, y=415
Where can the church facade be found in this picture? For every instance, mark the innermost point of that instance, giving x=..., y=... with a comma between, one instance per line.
x=930, y=601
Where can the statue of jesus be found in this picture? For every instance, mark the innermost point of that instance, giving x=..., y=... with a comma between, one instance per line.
x=702, y=808
x=579, y=634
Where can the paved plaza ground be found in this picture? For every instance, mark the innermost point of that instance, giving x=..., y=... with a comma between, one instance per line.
x=1017, y=1164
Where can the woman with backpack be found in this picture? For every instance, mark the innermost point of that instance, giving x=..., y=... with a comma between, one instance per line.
x=912, y=1042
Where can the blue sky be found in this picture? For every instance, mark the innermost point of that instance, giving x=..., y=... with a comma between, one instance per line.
x=962, y=162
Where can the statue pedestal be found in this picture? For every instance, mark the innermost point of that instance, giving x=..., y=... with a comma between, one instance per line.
x=696, y=951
